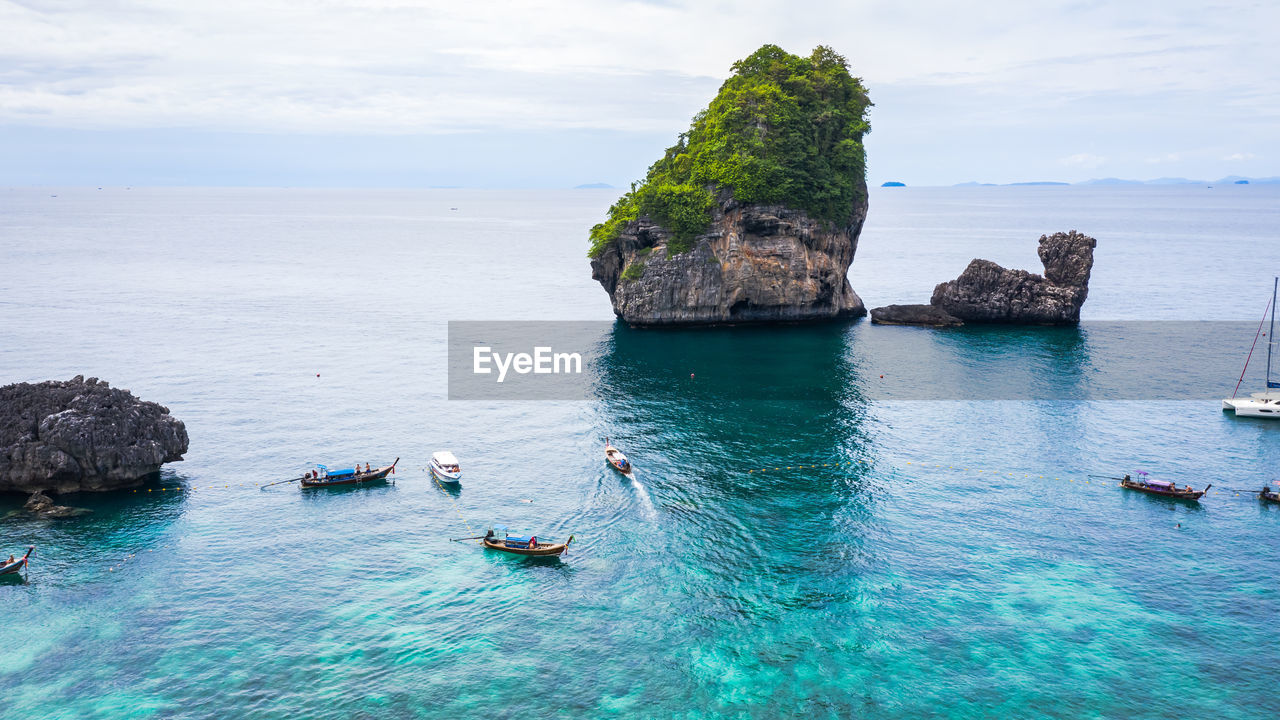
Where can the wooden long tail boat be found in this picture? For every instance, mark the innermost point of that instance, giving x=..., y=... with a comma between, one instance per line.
x=616, y=459
x=353, y=476
x=1163, y=488
x=18, y=564
x=519, y=545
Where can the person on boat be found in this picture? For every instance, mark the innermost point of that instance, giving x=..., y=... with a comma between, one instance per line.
x=533, y=544
x=366, y=467
x=11, y=560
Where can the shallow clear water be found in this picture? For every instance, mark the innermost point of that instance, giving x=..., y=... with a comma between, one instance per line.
x=790, y=545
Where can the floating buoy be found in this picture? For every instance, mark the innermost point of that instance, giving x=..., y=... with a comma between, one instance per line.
x=690, y=376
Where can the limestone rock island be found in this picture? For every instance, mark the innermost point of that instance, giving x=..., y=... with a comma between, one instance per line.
x=754, y=214
x=82, y=435
x=988, y=293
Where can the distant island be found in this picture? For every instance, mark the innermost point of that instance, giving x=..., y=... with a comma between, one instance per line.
x=893, y=183
x=593, y=186
x=1228, y=180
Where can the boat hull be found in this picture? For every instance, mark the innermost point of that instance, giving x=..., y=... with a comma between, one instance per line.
x=17, y=565
x=1269, y=497
x=1247, y=407
x=542, y=550
x=1193, y=495
x=443, y=476
x=616, y=460
x=378, y=475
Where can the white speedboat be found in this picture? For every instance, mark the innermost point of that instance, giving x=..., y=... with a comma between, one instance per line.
x=444, y=466
x=1264, y=404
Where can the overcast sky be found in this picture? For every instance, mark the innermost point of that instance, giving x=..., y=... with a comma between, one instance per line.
x=525, y=93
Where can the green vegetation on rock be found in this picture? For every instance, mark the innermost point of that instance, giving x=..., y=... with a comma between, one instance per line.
x=634, y=271
x=783, y=130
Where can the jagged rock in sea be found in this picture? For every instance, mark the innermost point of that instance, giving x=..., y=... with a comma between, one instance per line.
x=42, y=507
x=754, y=214
x=82, y=435
x=986, y=292
x=756, y=263
x=931, y=315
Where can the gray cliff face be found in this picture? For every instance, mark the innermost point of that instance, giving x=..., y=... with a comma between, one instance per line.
x=82, y=435
x=757, y=263
x=986, y=292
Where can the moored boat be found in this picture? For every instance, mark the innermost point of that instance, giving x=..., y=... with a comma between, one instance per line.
x=616, y=459
x=16, y=565
x=498, y=538
x=324, y=477
x=1264, y=404
x=444, y=467
x=1147, y=484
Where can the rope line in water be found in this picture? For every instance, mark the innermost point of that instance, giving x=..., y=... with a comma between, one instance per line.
x=462, y=517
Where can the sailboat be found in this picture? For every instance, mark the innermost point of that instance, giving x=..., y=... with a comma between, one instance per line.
x=1265, y=404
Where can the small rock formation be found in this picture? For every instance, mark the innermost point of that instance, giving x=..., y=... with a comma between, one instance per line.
x=41, y=506
x=914, y=315
x=82, y=435
x=988, y=293
x=756, y=263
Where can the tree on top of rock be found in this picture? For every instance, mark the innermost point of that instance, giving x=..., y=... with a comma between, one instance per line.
x=782, y=130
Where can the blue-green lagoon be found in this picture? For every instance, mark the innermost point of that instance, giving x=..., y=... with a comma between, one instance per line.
x=793, y=544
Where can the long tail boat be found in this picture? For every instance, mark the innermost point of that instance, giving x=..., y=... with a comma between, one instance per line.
x=18, y=564
x=1145, y=483
x=1267, y=495
x=616, y=459
x=499, y=539
x=324, y=477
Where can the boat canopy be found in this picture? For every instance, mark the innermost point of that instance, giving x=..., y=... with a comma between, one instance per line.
x=444, y=457
x=348, y=471
x=1158, y=483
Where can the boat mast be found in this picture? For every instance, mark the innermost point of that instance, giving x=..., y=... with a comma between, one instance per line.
x=1271, y=341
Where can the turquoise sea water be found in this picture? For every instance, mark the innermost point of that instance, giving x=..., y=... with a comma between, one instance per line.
x=790, y=545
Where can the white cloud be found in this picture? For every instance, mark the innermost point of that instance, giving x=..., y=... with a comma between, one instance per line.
x=1165, y=158
x=1239, y=156
x=411, y=66
x=1088, y=161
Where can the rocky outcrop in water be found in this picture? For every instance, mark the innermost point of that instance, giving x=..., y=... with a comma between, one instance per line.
x=42, y=507
x=988, y=293
x=82, y=435
x=914, y=315
x=756, y=263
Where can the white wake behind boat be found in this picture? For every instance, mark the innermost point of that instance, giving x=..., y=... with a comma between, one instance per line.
x=1264, y=404
x=444, y=466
